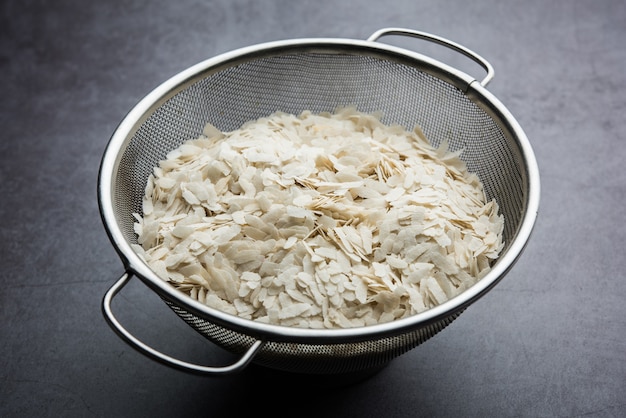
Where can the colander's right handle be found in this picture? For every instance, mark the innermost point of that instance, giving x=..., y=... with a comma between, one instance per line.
x=441, y=41
x=157, y=355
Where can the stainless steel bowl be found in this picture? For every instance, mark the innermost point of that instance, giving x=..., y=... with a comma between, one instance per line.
x=318, y=74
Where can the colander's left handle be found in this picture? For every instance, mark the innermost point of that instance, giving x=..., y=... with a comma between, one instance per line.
x=161, y=357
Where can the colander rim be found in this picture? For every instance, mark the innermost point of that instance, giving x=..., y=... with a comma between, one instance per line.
x=469, y=85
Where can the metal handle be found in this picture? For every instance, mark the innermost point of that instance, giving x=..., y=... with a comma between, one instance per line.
x=157, y=355
x=441, y=41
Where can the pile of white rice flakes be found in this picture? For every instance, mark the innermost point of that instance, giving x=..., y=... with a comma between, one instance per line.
x=317, y=221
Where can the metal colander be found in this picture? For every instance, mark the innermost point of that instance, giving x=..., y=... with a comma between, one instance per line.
x=319, y=74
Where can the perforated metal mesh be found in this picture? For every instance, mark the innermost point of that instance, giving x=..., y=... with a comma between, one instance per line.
x=293, y=81
x=334, y=358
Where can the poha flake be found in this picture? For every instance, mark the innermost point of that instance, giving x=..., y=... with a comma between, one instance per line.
x=318, y=221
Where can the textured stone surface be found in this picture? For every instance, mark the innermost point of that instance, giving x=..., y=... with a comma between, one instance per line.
x=547, y=341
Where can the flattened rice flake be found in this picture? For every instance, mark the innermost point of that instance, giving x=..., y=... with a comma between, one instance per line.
x=317, y=221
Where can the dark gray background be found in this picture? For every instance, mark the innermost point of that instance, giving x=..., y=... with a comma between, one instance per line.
x=548, y=341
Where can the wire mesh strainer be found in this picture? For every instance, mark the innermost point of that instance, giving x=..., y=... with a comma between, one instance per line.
x=318, y=74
